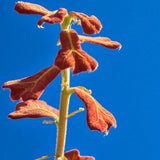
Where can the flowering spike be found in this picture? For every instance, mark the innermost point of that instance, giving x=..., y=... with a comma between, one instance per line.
x=90, y=25
x=32, y=87
x=103, y=41
x=34, y=109
x=74, y=155
x=98, y=118
x=71, y=54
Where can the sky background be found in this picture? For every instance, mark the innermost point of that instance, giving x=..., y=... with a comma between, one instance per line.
x=126, y=83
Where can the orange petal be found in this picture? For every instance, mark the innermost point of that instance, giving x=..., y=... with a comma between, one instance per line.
x=90, y=25
x=32, y=87
x=33, y=109
x=30, y=8
x=53, y=17
x=74, y=155
x=71, y=54
x=98, y=118
x=103, y=41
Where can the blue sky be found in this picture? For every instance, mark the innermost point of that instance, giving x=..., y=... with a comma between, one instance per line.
x=127, y=82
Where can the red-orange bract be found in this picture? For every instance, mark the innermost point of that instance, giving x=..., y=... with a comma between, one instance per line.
x=71, y=54
x=51, y=17
x=33, y=86
x=98, y=118
x=103, y=41
x=74, y=155
x=33, y=109
x=90, y=25
x=30, y=8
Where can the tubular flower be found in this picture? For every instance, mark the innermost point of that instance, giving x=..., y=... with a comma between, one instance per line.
x=51, y=17
x=33, y=86
x=71, y=54
x=90, y=25
x=98, y=118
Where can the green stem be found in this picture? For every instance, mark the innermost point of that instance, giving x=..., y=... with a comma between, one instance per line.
x=64, y=105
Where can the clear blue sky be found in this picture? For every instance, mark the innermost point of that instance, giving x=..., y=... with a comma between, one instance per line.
x=127, y=82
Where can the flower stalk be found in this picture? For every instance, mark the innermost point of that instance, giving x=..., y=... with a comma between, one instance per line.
x=63, y=114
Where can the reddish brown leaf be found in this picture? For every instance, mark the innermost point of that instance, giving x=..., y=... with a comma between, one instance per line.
x=33, y=109
x=106, y=42
x=90, y=25
x=74, y=155
x=71, y=54
x=30, y=8
x=98, y=118
x=51, y=17
x=32, y=87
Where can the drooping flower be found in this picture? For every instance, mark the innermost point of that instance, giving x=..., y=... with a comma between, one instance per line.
x=74, y=155
x=98, y=118
x=33, y=86
x=90, y=25
x=51, y=17
x=71, y=54
x=103, y=41
x=34, y=109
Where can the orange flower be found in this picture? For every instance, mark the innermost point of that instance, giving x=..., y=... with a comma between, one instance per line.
x=51, y=17
x=98, y=118
x=71, y=54
x=90, y=25
x=33, y=86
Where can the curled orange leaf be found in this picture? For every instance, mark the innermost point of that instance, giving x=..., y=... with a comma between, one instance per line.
x=71, y=54
x=33, y=109
x=32, y=87
x=98, y=118
x=90, y=25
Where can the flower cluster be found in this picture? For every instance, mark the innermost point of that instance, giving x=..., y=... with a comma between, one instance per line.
x=71, y=56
